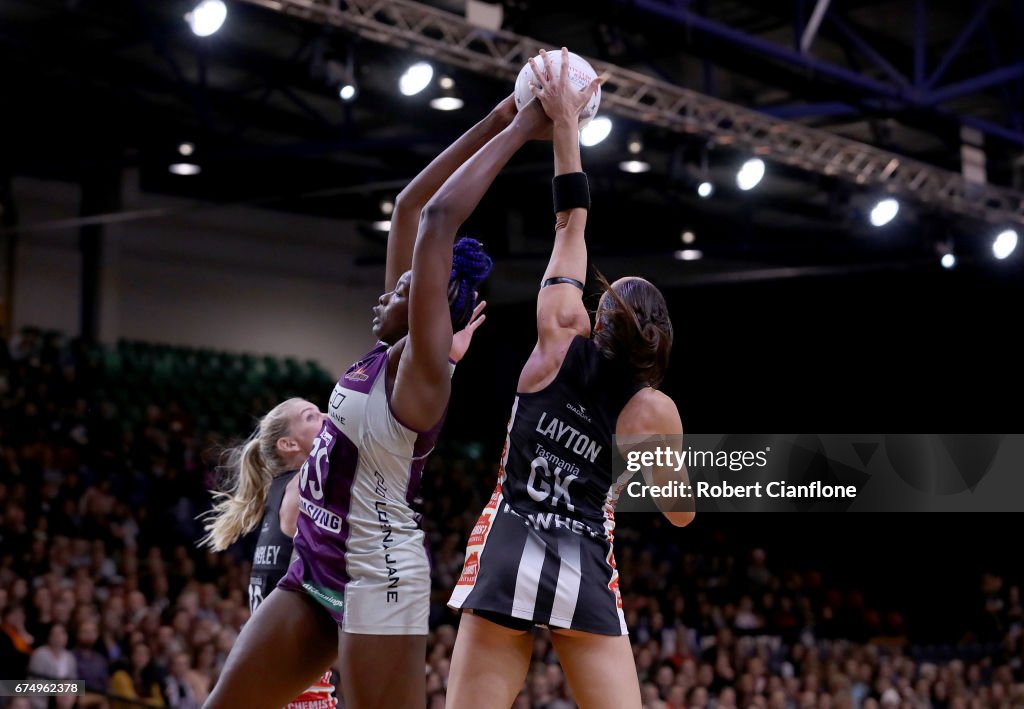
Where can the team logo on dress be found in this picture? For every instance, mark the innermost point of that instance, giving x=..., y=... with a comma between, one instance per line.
x=480, y=530
x=580, y=411
x=470, y=570
x=492, y=504
x=358, y=375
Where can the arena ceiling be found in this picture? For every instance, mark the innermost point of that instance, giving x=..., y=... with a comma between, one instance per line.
x=91, y=85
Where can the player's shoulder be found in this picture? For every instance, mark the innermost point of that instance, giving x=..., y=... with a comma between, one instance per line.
x=649, y=411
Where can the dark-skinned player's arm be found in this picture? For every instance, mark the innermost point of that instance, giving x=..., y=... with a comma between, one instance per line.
x=406, y=215
x=423, y=384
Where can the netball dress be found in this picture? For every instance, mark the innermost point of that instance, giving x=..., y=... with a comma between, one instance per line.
x=269, y=565
x=359, y=549
x=273, y=547
x=542, y=549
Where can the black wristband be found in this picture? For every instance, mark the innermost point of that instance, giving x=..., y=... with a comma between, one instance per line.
x=561, y=279
x=570, y=191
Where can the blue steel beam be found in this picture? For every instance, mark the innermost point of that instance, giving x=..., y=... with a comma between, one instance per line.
x=869, y=52
x=770, y=49
x=907, y=95
x=977, y=83
x=839, y=109
x=1014, y=103
x=965, y=34
x=826, y=109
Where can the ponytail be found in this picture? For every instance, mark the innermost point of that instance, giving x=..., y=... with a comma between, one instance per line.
x=634, y=329
x=247, y=471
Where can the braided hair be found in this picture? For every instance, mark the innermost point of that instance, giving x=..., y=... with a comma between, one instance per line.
x=470, y=266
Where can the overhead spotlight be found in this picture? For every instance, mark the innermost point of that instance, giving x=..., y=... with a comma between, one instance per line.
x=635, y=145
x=207, y=17
x=387, y=207
x=1004, y=244
x=595, y=131
x=341, y=75
x=948, y=260
x=689, y=255
x=447, y=103
x=688, y=237
x=884, y=211
x=705, y=189
x=634, y=166
x=448, y=100
x=415, y=79
x=186, y=149
x=750, y=174
x=382, y=225
x=184, y=168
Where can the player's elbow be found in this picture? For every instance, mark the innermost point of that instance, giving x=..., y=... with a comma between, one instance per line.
x=436, y=217
x=407, y=203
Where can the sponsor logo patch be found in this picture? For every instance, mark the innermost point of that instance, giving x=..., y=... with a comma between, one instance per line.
x=480, y=530
x=492, y=504
x=325, y=596
x=580, y=411
x=322, y=518
x=470, y=570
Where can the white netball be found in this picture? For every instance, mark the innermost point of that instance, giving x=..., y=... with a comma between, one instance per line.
x=580, y=76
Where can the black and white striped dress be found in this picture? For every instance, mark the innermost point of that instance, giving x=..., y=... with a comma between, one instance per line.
x=542, y=548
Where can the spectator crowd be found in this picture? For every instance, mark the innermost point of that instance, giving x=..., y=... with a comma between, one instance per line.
x=101, y=580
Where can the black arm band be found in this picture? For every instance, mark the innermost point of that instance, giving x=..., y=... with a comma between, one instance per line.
x=561, y=279
x=570, y=191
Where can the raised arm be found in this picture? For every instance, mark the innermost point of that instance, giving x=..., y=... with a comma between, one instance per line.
x=423, y=383
x=410, y=201
x=561, y=314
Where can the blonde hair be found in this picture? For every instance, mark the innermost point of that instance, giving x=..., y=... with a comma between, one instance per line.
x=248, y=470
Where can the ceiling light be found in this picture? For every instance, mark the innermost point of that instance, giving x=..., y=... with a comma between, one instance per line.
x=884, y=211
x=207, y=17
x=689, y=255
x=184, y=168
x=1004, y=244
x=750, y=174
x=447, y=103
x=415, y=79
x=634, y=166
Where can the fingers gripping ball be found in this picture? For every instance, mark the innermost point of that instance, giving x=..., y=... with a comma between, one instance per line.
x=580, y=76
